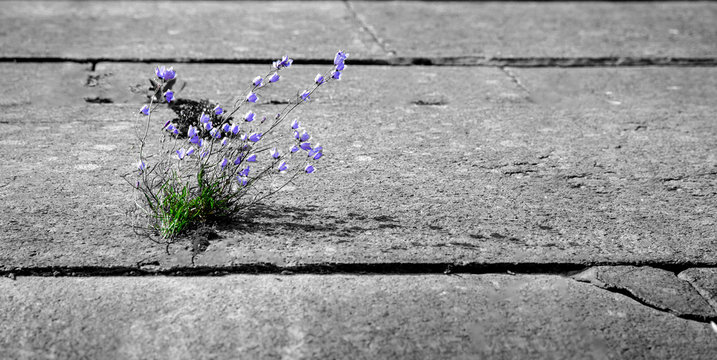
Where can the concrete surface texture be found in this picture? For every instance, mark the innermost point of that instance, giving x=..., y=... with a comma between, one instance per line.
x=465, y=138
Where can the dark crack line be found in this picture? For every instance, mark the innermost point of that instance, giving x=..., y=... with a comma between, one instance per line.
x=367, y=28
x=629, y=294
x=150, y=268
x=703, y=294
x=514, y=78
x=478, y=61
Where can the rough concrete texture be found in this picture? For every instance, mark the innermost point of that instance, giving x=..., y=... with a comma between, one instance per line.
x=179, y=30
x=331, y=317
x=223, y=30
x=704, y=281
x=413, y=155
x=657, y=287
x=556, y=30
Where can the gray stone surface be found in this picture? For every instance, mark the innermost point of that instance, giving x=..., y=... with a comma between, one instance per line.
x=245, y=30
x=704, y=281
x=179, y=30
x=657, y=287
x=322, y=317
x=422, y=165
x=559, y=29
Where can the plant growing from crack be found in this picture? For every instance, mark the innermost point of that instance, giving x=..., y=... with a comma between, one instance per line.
x=210, y=165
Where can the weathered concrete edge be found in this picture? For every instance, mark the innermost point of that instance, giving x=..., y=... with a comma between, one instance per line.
x=525, y=62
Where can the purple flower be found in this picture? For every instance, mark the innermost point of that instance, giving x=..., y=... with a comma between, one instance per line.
x=237, y=161
x=215, y=133
x=208, y=125
x=336, y=74
x=309, y=169
x=165, y=124
x=243, y=180
x=194, y=139
x=204, y=154
x=284, y=62
x=218, y=110
x=318, y=155
x=190, y=151
x=283, y=166
x=170, y=128
x=295, y=124
x=224, y=163
x=305, y=95
x=245, y=171
x=141, y=166
x=340, y=67
x=249, y=117
x=144, y=110
x=304, y=136
x=235, y=129
x=251, y=97
x=201, y=143
x=294, y=149
x=166, y=74
x=251, y=158
x=275, y=153
x=244, y=137
x=340, y=57
x=257, y=81
x=296, y=135
x=274, y=77
x=316, y=150
x=169, y=95
x=305, y=146
x=319, y=79
x=224, y=142
x=180, y=153
x=159, y=71
x=204, y=118
x=226, y=127
x=192, y=132
x=254, y=137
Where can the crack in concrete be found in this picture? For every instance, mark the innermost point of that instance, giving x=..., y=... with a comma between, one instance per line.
x=701, y=292
x=631, y=295
x=514, y=78
x=478, y=61
x=368, y=29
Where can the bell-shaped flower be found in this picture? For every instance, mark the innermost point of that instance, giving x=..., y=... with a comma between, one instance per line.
x=224, y=141
x=243, y=180
x=309, y=169
x=251, y=97
x=297, y=135
x=249, y=117
x=192, y=132
x=237, y=161
x=224, y=163
x=304, y=136
x=226, y=127
x=208, y=125
x=254, y=137
x=305, y=146
x=141, y=166
x=295, y=124
x=283, y=166
x=144, y=110
x=215, y=133
x=190, y=151
x=204, y=118
x=305, y=95
x=318, y=155
x=319, y=79
x=274, y=77
x=235, y=129
x=194, y=139
x=275, y=153
x=218, y=110
x=169, y=95
x=336, y=74
x=340, y=57
x=180, y=153
x=294, y=149
x=257, y=81
x=251, y=158
x=245, y=171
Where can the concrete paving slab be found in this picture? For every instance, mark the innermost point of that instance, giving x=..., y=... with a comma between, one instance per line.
x=370, y=30
x=359, y=317
x=705, y=282
x=657, y=287
x=179, y=30
x=471, y=178
x=539, y=29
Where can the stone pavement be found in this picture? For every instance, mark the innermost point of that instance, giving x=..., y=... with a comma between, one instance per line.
x=556, y=160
